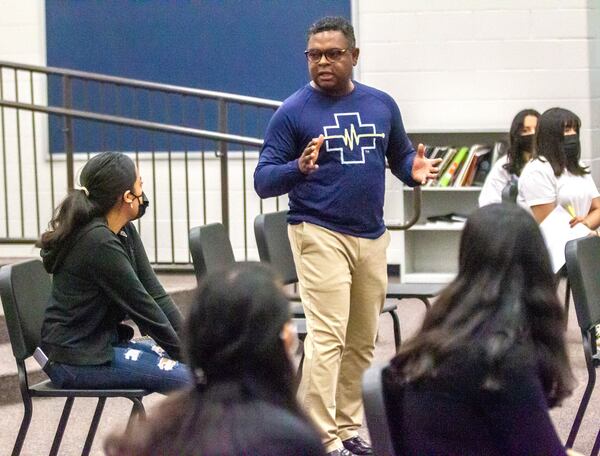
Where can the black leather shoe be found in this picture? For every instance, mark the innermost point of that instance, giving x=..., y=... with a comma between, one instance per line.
x=358, y=446
x=342, y=452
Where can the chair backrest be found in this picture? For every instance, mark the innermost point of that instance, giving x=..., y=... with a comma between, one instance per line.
x=273, y=244
x=510, y=192
x=210, y=248
x=24, y=288
x=583, y=269
x=375, y=412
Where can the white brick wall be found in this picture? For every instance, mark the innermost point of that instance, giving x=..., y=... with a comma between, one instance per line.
x=472, y=65
x=450, y=65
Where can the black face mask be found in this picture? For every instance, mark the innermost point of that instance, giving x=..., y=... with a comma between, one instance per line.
x=144, y=203
x=571, y=148
x=525, y=143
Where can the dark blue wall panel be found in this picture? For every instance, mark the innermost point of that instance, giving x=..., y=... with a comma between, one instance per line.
x=249, y=47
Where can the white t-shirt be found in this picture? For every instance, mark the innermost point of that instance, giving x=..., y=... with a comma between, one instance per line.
x=539, y=185
x=495, y=181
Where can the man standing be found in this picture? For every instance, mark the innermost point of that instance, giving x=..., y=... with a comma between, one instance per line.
x=326, y=146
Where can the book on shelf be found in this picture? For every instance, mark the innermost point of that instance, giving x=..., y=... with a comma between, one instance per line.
x=452, y=217
x=445, y=153
x=449, y=175
x=464, y=166
x=485, y=163
x=476, y=154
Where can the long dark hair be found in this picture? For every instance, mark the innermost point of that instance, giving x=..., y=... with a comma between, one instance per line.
x=105, y=177
x=515, y=160
x=503, y=296
x=234, y=347
x=550, y=138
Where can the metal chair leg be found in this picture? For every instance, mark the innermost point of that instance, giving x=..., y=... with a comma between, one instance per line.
x=93, y=427
x=587, y=394
x=567, y=300
x=596, y=448
x=62, y=425
x=397, y=335
x=300, y=365
x=426, y=302
x=137, y=411
x=24, y=426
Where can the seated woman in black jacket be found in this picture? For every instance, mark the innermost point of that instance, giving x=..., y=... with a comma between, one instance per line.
x=101, y=276
x=239, y=343
x=490, y=358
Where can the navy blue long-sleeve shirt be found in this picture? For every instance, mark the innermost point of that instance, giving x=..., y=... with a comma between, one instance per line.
x=346, y=193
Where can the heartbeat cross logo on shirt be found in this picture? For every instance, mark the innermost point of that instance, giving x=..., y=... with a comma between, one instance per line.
x=349, y=133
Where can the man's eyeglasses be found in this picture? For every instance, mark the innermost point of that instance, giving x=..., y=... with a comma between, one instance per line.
x=332, y=55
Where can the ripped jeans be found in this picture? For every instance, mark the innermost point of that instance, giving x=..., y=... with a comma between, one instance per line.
x=136, y=364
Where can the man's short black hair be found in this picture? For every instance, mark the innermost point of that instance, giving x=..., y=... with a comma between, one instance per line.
x=336, y=23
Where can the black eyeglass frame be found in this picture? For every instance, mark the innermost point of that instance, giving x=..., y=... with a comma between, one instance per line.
x=327, y=54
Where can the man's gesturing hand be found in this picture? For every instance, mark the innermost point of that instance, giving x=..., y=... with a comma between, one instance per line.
x=307, y=163
x=424, y=169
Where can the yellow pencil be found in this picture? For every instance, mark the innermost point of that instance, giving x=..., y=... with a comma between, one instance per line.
x=570, y=210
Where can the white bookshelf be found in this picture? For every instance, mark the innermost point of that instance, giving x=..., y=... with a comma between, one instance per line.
x=430, y=251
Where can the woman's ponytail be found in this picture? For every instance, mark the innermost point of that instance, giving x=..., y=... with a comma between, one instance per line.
x=104, y=178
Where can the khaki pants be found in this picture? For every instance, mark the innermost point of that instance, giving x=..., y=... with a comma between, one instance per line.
x=343, y=280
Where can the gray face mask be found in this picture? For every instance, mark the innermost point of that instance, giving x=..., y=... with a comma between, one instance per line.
x=571, y=148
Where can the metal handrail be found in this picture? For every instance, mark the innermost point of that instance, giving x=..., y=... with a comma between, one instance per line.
x=66, y=111
x=254, y=101
x=416, y=212
x=147, y=125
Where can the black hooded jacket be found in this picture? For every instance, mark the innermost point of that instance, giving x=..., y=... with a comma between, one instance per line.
x=99, y=279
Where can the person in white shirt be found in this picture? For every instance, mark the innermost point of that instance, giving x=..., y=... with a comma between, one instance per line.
x=555, y=176
x=508, y=168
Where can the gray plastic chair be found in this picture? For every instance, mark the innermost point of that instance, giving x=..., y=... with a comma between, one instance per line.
x=376, y=412
x=273, y=245
x=583, y=270
x=210, y=248
x=24, y=289
x=211, y=251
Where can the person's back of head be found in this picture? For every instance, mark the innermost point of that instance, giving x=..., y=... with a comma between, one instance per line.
x=502, y=297
x=237, y=343
x=234, y=329
x=550, y=141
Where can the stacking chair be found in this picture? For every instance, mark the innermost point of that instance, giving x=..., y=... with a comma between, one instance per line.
x=212, y=251
x=25, y=288
x=376, y=412
x=274, y=247
x=210, y=248
x=583, y=269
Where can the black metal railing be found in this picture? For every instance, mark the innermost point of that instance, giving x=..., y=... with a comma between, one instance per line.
x=196, y=151
x=65, y=116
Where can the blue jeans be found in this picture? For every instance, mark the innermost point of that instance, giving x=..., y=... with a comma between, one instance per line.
x=136, y=364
